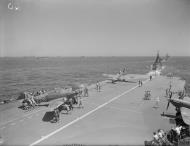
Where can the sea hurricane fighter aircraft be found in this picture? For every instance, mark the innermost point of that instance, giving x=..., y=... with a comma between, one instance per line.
x=121, y=77
x=29, y=100
x=115, y=78
x=182, y=106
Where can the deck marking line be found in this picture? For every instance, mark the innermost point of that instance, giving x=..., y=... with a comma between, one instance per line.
x=83, y=116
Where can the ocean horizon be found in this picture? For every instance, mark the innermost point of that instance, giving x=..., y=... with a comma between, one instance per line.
x=19, y=74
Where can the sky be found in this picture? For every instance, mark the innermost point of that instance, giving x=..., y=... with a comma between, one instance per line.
x=94, y=27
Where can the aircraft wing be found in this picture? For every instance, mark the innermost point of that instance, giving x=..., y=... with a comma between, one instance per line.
x=55, y=105
x=110, y=75
x=185, y=112
x=130, y=77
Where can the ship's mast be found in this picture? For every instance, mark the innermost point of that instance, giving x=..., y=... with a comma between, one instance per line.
x=157, y=63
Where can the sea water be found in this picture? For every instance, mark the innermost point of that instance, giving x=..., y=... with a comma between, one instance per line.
x=35, y=73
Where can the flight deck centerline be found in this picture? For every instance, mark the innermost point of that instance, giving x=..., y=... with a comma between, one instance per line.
x=83, y=116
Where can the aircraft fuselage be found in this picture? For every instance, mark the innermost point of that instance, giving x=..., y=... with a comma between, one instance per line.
x=180, y=103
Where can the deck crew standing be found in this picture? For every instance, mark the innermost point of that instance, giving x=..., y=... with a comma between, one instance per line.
x=85, y=92
x=80, y=102
x=150, y=77
x=155, y=137
x=140, y=83
x=98, y=86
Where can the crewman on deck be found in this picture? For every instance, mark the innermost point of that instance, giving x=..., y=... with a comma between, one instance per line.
x=170, y=86
x=85, y=92
x=161, y=133
x=98, y=86
x=162, y=138
x=155, y=137
x=178, y=131
x=56, y=115
x=120, y=72
x=30, y=99
x=82, y=87
x=33, y=101
x=150, y=77
x=140, y=83
x=123, y=70
x=80, y=103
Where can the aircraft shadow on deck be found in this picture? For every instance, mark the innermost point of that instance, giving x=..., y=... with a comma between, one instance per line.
x=168, y=115
x=122, y=81
x=131, y=81
x=48, y=116
x=22, y=107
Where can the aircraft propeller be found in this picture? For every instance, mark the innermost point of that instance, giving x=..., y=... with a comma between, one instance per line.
x=168, y=105
x=170, y=96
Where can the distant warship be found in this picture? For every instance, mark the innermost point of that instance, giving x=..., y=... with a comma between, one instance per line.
x=157, y=65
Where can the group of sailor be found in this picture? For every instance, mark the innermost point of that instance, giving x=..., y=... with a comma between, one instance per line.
x=56, y=116
x=37, y=93
x=178, y=129
x=40, y=92
x=169, y=93
x=68, y=102
x=160, y=138
x=74, y=98
x=177, y=133
x=83, y=91
x=121, y=72
x=29, y=102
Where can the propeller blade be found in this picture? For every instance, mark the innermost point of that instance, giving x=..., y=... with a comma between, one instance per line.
x=170, y=96
x=168, y=105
